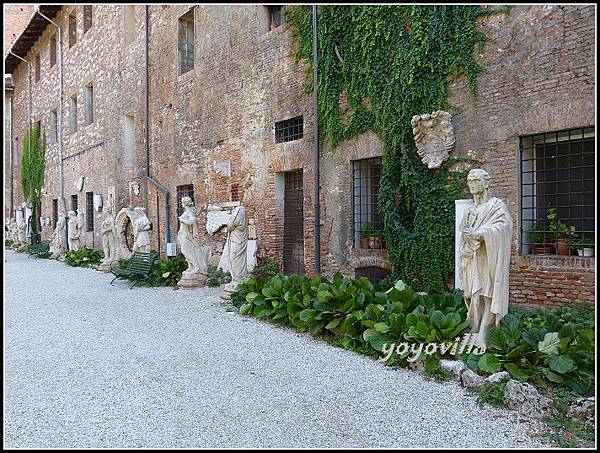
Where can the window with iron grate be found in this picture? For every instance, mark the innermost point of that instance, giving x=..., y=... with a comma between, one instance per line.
x=54, y=212
x=558, y=181
x=72, y=29
x=89, y=211
x=74, y=203
x=235, y=192
x=367, y=221
x=53, y=49
x=185, y=42
x=288, y=130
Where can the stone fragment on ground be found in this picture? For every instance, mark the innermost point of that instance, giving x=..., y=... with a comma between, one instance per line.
x=583, y=409
x=455, y=367
x=527, y=400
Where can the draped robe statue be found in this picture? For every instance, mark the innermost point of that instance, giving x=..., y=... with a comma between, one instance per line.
x=485, y=245
x=74, y=232
x=196, y=254
x=59, y=237
x=21, y=232
x=237, y=244
x=141, y=231
x=109, y=241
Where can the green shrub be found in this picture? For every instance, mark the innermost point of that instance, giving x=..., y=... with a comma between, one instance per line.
x=83, y=257
x=8, y=243
x=167, y=272
x=267, y=269
x=492, y=394
x=216, y=277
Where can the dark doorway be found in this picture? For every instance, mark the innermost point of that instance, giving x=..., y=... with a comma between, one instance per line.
x=293, y=224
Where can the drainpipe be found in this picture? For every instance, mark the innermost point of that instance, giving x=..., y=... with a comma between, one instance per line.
x=60, y=109
x=29, y=93
x=10, y=134
x=317, y=156
x=167, y=206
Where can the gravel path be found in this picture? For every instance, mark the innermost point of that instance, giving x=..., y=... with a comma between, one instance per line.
x=90, y=365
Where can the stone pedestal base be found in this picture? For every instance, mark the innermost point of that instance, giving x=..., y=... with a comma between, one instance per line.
x=226, y=294
x=192, y=281
x=105, y=266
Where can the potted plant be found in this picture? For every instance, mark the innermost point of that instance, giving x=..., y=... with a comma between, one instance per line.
x=540, y=239
x=562, y=232
x=366, y=232
x=584, y=246
x=376, y=240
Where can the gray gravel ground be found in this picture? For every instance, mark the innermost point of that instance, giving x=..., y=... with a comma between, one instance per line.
x=91, y=365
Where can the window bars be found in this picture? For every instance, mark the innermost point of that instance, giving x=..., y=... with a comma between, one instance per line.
x=367, y=221
x=557, y=191
x=89, y=211
x=288, y=130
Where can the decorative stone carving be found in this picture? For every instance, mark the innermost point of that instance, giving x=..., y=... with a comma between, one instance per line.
x=237, y=244
x=109, y=243
x=79, y=183
x=135, y=187
x=21, y=232
x=141, y=231
x=97, y=202
x=222, y=167
x=13, y=230
x=434, y=137
x=74, y=232
x=196, y=254
x=485, y=242
x=122, y=219
x=59, y=237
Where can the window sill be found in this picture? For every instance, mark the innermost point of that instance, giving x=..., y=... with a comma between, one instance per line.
x=555, y=261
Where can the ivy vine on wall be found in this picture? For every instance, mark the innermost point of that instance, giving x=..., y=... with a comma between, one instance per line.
x=33, y=166
x=379, y=66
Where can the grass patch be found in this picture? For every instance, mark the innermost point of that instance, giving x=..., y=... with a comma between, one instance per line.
x=492, y=394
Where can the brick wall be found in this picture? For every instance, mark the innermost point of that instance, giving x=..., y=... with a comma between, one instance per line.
x=15, y=20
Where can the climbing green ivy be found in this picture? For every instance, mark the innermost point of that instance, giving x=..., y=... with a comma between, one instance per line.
x=33, y=166
x=379, y=66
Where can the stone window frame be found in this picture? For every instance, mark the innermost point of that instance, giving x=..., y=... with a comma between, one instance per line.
x=528, y=159
x=289, y=130
x=54, y=211
x=72, y=32
x=53, y=126
x=367, y=212
x=73, y=112
x=88, y=104
x=186, y=42
x=53, y=48
x=37, y=66
x=88, y=15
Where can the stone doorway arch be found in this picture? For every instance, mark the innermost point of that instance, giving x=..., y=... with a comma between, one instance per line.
x=124, y=227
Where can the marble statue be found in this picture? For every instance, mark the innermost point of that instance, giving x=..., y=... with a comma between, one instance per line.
x=237, y=244
x=74, y=232
x=11, y=232
x=58, y=245
x=434, y=137
x=109, y=243
x=141, y=231
x=196, y=254
x=485, y=243
x=21, y=232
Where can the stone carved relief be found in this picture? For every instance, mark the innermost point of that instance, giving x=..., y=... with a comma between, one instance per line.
x=74, y=231
x=195, y=252
x=59, y=237
x=109, y=243
x=434, y=137
x=125, y=217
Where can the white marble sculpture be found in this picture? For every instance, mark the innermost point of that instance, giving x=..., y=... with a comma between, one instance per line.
x=434, y=137
x=109, y=243
x=74, y=232
x=59, y=237
x=237, y=244
x=21, y=232
x=12, y=233
x=141, y=231
x=485, y=245
x=196, y=254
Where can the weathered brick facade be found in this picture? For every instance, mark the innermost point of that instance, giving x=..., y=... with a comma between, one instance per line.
x=540, y=77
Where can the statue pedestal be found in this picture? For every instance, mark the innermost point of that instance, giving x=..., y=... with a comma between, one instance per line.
x=192, y=281
x=105, y=266
x=226, y=294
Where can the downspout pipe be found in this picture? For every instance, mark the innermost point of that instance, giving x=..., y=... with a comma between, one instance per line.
x=167, y=204
x=11, y=163
x=60, y=117
x=317, y=153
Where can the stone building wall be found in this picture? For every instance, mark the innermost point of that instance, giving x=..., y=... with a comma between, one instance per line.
x=95, y=151
x=539, y=78
x=16, y=17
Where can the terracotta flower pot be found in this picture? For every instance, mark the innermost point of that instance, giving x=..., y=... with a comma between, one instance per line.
x=562, y=247
x=364, y=243
x=543, y=250
x=376, y=242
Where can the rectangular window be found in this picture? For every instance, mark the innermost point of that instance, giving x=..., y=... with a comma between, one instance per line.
x=54, y=212
x=557, y=177
x=129, y=23
x=53, y=49
x=367, y=221
x=87, y=17
x=288, y=130
x=89, y=211
x=53, y=127
x=74, y=203
x=276, y=16
x=186, y=190
x=38, y=68
x=186, y=42
x=89, y=104
x=129, y=140
x=72, y=29
x=73, y=114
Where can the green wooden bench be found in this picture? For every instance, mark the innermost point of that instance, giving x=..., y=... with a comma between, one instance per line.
x=138, y=268
x=43, y=248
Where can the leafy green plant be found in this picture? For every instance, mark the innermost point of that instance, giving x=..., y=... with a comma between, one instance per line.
x=540, y=234
x=216, y=277
x=167, y=272
x=558, y=228
x=492, y=394
x=8, y=243
x=267, y=269
x=83, y=257
x=583, y=242
x=366, y=230
x=33, y=166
